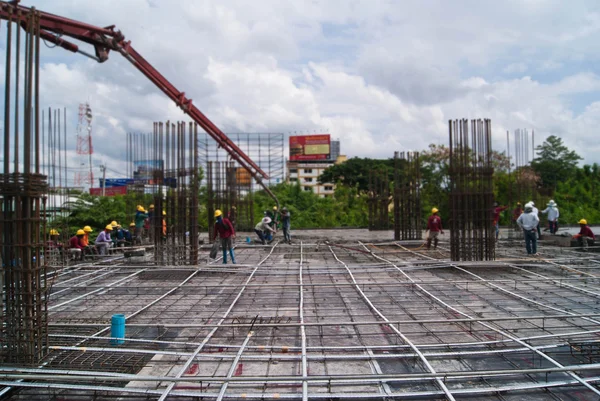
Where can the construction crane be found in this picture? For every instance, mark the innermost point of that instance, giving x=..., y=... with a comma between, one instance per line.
x=54, y=29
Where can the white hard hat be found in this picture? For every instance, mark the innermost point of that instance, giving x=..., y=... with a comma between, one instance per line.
x=266, y=220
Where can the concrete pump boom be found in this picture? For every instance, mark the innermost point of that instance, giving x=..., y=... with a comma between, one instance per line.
x=53, y=28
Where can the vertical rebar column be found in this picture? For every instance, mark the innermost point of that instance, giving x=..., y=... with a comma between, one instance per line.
x=472, y=235
x=407, y=196
x=23, y=336
x=379, y=200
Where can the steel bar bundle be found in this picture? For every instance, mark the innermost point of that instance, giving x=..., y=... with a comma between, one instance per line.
x=165, y=169
x=23, y=190
x=407, y=196
x=379, y=200
x=471, y=192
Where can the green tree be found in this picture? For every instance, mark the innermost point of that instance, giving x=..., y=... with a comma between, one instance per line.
x=554, y=162
x=354, y=172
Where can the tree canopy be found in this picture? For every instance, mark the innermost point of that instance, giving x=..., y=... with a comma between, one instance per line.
x=554, y=162
x=354, y=172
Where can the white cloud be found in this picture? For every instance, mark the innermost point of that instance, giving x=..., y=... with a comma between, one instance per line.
x=380, y=75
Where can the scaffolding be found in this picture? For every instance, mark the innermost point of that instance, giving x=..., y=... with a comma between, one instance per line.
x=265, y=149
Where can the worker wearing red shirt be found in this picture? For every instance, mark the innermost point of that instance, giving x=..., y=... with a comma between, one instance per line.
x=497, y=210
x=75, y=247
x=226, y=232
x=585, y=234
x=434, y=226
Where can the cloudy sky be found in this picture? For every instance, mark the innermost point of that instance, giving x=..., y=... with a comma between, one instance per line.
x=379, y=75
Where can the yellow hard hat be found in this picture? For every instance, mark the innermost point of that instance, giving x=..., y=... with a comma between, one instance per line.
x=151, y=207
x=108, y=227
x=80, y=232
x=583, y=221
x=434, y=210
x=140, y=208
x=132, y=224
x=274, y=207
x=87, y=229
x=218, y=213
x=114, y=223
x=164, y=213
x=54, y=232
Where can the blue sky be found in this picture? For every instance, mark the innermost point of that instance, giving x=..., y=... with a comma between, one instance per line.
x=379, y=75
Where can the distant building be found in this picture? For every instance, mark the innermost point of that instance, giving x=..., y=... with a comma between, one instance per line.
x=309, y=157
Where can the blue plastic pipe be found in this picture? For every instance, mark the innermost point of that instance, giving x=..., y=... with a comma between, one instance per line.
x=117, y=329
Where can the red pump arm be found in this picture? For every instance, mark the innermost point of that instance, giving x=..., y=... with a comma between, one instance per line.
x=53, y=28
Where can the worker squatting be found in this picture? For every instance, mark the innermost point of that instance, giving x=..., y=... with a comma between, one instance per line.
x=112, y=236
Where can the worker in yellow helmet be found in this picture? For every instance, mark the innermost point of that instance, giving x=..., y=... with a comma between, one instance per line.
x=75, y=247
x=434, y=226
x=585, y=235
x=85, y=242
x=224, y=229
x=164, y=225
x=53, y=241
x=140, y=217
x=103, y=240
x=149, y=223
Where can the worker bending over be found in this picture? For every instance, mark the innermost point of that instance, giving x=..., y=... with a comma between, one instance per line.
x=529, y=222
x=585, y=235
x=434, y=226
x=263, y=227
x=226, y=232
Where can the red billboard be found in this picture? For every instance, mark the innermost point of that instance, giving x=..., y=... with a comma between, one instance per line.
x=108, y=191
x=309, y=147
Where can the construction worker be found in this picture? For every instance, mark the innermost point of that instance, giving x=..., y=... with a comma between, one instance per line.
x=553, y=214
x=103, y=240
x=276, y=218
x=517, y=211
x=496, y=217
x=75, y=248
x=118, y=236
x=226, y=232
x=434, y=226
x=535, y=211
x=262, y=227
x=85, y=241
x=53, y=241
x=529, y=222
x=140, y=217
x=164, y=227
x=129, y=234
x=285, y=225
x=585, y=234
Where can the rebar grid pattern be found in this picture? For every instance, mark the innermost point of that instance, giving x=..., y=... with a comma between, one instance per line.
x=407, y=196
x=471, y=190
x=370, y=321
x=23, y=190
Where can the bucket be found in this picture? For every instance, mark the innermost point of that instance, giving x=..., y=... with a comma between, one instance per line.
x=248, y=240
x=117, y=329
